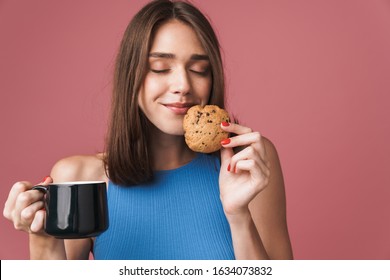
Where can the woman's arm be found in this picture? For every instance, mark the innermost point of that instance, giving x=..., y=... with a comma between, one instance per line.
x=24, y=208
x=78, y=168
x=253, y=196
x=264, y=227
x=268, y=210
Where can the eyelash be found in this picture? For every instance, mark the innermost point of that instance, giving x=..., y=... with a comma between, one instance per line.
x=201, y=73
x=163, y=71
x=159, y=71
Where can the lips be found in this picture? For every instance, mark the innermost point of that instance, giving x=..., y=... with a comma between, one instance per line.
x=179, y=108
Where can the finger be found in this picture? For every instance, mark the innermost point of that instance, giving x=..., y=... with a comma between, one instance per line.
x=17, y=188
x=248, y=153
x=226, y=155
x=28, y=213
x=259, y=177
x=252, y=138
x=235, y=128
x=24, y=200
x=37, y=223
x=47, y=180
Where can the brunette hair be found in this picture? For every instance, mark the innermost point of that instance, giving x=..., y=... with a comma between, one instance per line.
x=128, y=160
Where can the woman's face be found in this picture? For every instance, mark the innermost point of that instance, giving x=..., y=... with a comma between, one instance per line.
x=179, y=76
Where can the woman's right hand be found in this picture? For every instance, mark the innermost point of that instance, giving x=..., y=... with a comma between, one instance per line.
x=25, y=207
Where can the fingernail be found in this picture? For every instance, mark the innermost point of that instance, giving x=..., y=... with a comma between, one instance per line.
x=44, y=179
x=228, y=169
x=225, y=141
x=225, y=124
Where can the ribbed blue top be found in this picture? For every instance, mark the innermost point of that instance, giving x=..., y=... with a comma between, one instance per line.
x=178, y=216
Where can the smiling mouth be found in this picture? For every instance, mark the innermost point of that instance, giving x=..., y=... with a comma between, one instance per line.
x=179, y=108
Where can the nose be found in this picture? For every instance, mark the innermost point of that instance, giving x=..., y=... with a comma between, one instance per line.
x=180, y=82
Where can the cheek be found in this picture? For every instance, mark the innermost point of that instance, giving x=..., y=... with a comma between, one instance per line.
x=148, y=92
x=150, y=86
x=204, y=90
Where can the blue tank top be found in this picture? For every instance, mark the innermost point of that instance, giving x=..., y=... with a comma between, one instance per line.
x=177, y=216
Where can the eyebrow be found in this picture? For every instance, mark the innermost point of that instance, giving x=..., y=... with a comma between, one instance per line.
x=171, y=56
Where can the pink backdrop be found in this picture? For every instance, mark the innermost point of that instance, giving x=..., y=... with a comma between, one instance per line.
x=312, y=77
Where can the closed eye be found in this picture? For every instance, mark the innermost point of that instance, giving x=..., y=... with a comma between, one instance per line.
x=159, y=71
x=201, y=73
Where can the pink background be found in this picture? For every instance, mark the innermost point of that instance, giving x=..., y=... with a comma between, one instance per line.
x=313, y=76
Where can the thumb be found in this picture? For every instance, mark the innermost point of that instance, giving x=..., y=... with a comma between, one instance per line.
x=47, y=180
x=226, y=156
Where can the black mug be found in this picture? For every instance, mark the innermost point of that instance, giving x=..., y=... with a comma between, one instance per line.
x=75, y=209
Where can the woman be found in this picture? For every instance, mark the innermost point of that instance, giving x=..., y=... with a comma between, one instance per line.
x=166, y=201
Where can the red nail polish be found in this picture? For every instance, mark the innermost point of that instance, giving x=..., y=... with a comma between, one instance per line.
x=225, y=141
x=44, y=179
x=225, y=124
x=228, y=169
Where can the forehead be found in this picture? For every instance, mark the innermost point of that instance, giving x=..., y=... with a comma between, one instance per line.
x=178, y=38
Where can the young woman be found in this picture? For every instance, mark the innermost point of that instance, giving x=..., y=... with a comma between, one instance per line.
x=166, y=201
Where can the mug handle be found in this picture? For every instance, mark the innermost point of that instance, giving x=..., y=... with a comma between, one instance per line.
x=40, y=188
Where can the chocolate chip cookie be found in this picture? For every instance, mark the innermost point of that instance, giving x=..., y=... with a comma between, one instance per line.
x=202, y=129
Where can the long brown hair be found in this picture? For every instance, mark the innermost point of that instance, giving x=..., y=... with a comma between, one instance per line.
x=128, y=160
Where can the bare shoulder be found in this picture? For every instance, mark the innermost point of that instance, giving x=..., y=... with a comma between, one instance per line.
x=270, y=149
x=79, y=168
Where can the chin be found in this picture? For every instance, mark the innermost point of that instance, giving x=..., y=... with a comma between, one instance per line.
x=172, y=130
x=176, y=132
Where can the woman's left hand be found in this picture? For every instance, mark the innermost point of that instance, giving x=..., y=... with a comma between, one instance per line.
x=245, y=174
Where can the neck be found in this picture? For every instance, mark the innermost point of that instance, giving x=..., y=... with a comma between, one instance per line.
x=170, y=151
